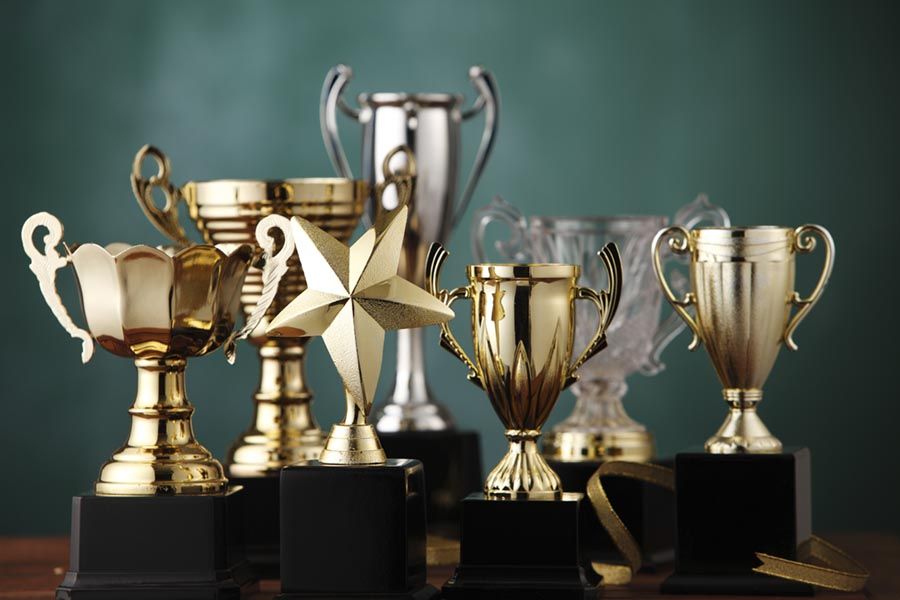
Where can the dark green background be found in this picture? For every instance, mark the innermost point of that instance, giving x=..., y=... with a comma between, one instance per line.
x=784, y=112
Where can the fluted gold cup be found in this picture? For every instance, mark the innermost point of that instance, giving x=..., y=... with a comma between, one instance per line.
x=742, y=291
x=523, y=322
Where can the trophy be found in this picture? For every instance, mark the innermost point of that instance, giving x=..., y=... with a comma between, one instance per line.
x=742, y=293
x=157, y=524
x=353, y=507
x=521, y=534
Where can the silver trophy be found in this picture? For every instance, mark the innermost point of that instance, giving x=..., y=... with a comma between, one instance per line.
x=599, y=429
x=429, y=124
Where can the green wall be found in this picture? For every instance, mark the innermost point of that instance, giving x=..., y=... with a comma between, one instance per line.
x=783, y=112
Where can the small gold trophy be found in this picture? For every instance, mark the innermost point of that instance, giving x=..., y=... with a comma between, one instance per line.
x=158, y=309
x=523, y=323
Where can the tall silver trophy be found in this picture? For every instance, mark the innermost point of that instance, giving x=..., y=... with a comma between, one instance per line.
x=430, y=125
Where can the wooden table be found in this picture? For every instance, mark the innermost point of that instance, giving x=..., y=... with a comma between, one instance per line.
x=31, y=568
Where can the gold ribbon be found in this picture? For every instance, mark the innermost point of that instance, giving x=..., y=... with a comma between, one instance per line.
x=838, y=570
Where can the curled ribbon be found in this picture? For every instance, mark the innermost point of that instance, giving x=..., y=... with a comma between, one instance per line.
x=838, y=570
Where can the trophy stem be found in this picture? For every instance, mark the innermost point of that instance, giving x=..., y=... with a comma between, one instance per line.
x=743, y=431
x=523, y=473
x=353, y=441
x=161, y=457
x=284, y=430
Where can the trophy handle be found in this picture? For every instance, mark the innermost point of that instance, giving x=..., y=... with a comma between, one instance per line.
x=404, y=181
x=678, y=245
x=332, y=89
x=276, y=265
x=498, y=209
x=44, y=265
x=606, y=301
x=804, y=243
x=433, y=264
x=165, y=219
x=488, y=100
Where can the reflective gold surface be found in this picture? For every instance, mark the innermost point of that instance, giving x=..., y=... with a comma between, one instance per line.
x=523, y=319
x=158, y=309
x=742, y=289
x=283, y=430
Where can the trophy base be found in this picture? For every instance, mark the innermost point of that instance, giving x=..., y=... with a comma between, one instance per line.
x=427, y=592
x=352, y=531
x=648, y=512
x=731, y=506
x=452, y=461
x=261, y=533
x=520, y=549
x=156, y=547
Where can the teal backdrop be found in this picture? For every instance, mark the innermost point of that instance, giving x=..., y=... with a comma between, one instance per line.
x=783, y=112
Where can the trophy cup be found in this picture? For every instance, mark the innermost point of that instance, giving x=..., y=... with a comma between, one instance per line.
x=283, y=429
x=412, y=421
x=520, y=536
x=742, y=293
x=159, y=524
x=368, y=512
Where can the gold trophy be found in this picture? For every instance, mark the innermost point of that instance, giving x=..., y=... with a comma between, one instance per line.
x=523, y=323
x=742, y=288
x=159, y=309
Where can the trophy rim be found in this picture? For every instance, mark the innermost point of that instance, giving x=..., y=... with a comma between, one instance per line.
x=275, y=182
x=122, y=248
x=582, y=222
x=523, y=271
x=401, y=98
x=751, y=234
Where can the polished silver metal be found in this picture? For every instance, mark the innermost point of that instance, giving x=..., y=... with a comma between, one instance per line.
x=429, y=124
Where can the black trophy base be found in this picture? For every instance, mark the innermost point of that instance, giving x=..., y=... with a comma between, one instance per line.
x=353, y=531
x=520, y=549
x=261, y=533
x=427, y=592
x=155, y=548
x=731, y=506
x=452, y=461
x=648, y=512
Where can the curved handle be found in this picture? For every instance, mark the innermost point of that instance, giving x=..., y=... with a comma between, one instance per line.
x=488, y=100
x=701, y=210
x=44, y=265
x=514, y=249
x=335, y=82
x=165, y=219
x=678, y=245
x=804, y=243
x=433, y=264
x=607, y=303
x=404, y=180
x=276, y=265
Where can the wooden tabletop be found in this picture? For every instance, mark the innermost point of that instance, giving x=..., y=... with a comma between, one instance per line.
x=31, y=568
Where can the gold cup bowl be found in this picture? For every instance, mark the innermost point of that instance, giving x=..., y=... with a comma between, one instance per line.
x=742, y=290
x=158, y=309
x=523, y=323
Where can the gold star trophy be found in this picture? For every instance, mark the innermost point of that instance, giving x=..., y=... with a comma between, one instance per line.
x=365, y=505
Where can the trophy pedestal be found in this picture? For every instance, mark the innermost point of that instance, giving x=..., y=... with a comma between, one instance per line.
x=156, y=548
x=648, y=512
x=259, y=519
x=730, y=506
x=520, y=549
x=354, y=531
x=452, y=461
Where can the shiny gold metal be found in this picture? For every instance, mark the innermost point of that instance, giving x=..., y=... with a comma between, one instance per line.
x=283, y=430
x=523, y=319
x=158, y=309
x=742, y=289
x=354, y=294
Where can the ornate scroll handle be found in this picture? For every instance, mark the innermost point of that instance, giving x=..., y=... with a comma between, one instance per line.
x=805, y=243
x=678, y=245
x=44, y=265
x=607, y=302
x=403, y=181
x=489, y=100
x=165, y=219
x=276, y=265
x=335, y=82
x=498, y=209
x=433, y=264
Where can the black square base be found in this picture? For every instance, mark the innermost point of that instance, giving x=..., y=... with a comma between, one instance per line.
x=259, y=523
x=353, y=531
x=730, y=506
x=648, y=512
x=452, y=461
x=520, y=549
x=156, y=547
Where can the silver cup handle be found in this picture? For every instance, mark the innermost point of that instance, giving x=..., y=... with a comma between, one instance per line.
x=515, y=248
x=44, y=265
x=332, y=89
x=489, y=101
